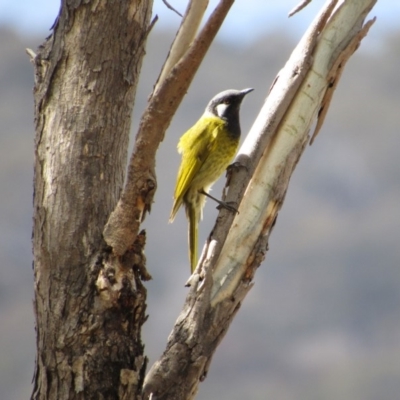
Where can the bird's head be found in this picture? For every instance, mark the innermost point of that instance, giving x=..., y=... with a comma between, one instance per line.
x=226, y=104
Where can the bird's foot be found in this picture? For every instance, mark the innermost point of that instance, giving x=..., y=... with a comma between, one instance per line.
x=221, y=204
x=228, y=206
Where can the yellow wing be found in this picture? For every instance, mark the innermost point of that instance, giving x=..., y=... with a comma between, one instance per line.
x=195, y=146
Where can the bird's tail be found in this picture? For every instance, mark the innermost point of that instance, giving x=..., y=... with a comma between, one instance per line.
x=175, y=208
x=193, y=216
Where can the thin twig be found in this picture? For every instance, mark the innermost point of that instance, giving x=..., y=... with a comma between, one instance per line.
x=299, y=7
x=172, y=8
x=184, y=38
x=31, y=54
x=151, y=26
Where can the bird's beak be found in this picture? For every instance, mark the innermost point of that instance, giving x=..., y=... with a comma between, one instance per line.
x=245, y=91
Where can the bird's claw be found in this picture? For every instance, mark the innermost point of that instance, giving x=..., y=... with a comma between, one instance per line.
x=228, y=207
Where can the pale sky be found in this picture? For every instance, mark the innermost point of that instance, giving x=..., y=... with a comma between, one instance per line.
x=246, y=20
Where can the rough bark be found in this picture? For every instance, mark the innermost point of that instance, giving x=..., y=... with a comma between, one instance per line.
x=88, y=344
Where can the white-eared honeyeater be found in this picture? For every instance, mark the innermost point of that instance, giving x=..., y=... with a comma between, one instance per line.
x=207, y=149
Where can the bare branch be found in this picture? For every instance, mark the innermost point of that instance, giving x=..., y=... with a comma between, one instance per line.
x=299, y=7
x=171, y=8
x=151, y=26
x=184, y=37
x=266, y=190
x=32, y=55
x=264, y=128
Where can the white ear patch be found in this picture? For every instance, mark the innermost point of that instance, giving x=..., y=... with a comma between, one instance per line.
x=221, y=108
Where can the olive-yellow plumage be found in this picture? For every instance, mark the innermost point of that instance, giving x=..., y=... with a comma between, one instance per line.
x=207, y=149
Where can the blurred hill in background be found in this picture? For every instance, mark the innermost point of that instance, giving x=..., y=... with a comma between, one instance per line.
x=323, y=319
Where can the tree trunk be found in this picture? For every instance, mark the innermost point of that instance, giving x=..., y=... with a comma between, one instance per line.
x=88, y=345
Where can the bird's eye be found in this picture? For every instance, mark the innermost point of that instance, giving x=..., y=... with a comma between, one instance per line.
x=227, y=102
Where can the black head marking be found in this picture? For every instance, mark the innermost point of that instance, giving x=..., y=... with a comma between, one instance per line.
x=226, y=105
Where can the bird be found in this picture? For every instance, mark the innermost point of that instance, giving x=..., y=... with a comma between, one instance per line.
x=207, y=149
